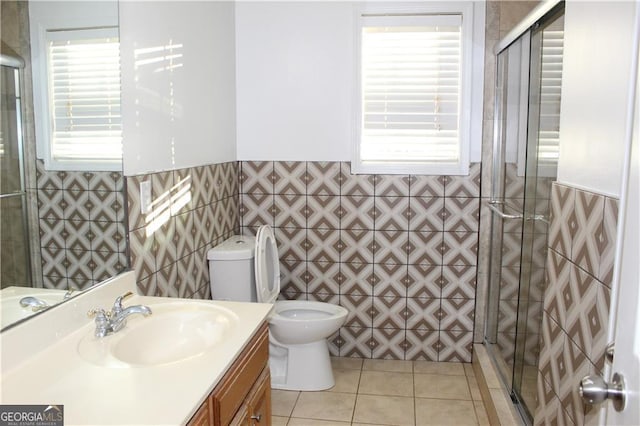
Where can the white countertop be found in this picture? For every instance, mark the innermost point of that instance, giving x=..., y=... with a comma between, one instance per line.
x=53, y=372
x=10, y=308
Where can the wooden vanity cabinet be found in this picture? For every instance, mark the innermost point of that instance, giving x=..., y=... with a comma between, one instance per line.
x=243, y=396
x=257, y=409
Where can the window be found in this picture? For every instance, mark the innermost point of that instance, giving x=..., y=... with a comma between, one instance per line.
x=84, y=130
x=414, y=93
x=550, y=85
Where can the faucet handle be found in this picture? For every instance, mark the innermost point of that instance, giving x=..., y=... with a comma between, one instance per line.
x=117, y=305
x=98, y=313
x=102, y=321
x=68, y=293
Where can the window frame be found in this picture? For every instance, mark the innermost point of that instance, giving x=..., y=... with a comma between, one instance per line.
x=471, y=103
x=43, y=97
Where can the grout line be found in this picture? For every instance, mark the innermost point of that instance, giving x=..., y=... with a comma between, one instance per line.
x=355, y=404
x=415, y=405
x=473, y=404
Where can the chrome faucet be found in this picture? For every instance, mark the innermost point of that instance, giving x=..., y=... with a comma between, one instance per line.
x=115, y=319
x=34, y=303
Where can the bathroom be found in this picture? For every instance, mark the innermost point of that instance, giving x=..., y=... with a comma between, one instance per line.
x=200, y=124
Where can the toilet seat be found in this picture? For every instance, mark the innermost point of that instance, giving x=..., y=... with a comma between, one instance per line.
x=267, y=266
x=303, y=310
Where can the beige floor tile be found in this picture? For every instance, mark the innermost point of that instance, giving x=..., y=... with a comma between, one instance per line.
x=386, y=410
x=445, y=412
x=474, y=388
x=386, y=383
x=279, y=421
x=346, y=380
x=445, y=368
x=311, y=422
x=439, y=386
x=282, y=402
x=388, y=365
x=347, y=363
x=481, y=413
x=325, y=406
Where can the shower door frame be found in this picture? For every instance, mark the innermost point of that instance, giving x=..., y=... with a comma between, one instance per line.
x=16, y=65
x=530, y=40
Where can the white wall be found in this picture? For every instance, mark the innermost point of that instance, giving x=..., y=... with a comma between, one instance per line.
x=178, y=84
x=295, y=79
x=596, y=83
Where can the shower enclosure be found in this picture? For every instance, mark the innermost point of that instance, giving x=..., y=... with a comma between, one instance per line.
x=14, y=239
x=525, y=153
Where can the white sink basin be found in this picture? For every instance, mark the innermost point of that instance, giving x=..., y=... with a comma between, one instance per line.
x=172, y=333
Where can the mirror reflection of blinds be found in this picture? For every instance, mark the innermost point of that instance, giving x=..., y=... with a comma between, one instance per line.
x=84, y=85
x=411, y=78
x=551, y=81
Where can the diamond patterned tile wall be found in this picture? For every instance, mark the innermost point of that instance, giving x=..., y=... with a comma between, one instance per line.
x=576, y=301
x=375, y=244
x=193, y=209
x=398, y=251
x=82, y=237
x=589, y=212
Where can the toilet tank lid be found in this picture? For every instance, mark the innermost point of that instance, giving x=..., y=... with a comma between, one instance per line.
x=238, y=247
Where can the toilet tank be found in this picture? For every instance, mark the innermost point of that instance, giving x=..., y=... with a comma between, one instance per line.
x=231, y=269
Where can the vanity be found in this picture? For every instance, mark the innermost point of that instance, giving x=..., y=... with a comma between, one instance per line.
x=190, y=362
x=243, y=396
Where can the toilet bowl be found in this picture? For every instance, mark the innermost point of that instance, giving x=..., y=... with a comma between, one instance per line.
x=248, y=269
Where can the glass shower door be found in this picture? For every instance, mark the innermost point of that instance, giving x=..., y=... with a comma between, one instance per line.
x=545, y=76
x=14, y=241
x=525, y=159
x=507, y=204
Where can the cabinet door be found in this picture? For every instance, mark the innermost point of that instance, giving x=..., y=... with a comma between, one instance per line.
x=259, y=401
x=202, y=417
x=237, y=384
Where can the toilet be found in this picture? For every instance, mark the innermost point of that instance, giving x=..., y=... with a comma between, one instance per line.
x=247, y=269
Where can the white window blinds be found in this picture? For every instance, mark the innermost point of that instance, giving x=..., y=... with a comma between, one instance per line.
x=84, y=97
x=550, y=85
x=411, y=89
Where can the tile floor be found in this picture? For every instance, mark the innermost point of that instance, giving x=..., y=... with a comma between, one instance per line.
x=383, y=392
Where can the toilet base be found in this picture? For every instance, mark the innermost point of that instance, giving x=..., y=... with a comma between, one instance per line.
x=304, y=367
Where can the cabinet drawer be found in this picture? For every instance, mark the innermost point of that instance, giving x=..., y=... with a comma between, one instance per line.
x=230, y=394
x=260, y=401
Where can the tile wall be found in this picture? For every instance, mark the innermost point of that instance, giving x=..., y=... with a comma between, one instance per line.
x=193, y=209
x=399, y=252
x=82, y=231
x=582, y=239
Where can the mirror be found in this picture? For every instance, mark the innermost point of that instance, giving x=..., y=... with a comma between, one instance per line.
x=62, y=230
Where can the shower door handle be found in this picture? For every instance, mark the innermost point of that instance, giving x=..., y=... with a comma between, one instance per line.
x=13, y=194
x=496, y=210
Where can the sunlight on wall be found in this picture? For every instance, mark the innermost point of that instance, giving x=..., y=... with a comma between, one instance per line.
x=168, y=204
